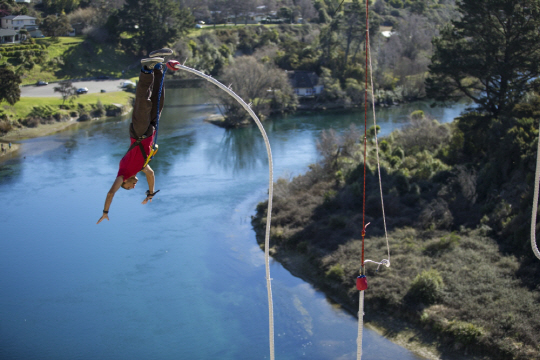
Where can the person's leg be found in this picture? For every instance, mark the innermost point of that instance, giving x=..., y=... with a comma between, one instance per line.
x=142, y=107
x=158, y=77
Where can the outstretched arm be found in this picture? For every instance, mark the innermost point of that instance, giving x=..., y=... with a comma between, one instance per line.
x=151, y=181
x=110, y=195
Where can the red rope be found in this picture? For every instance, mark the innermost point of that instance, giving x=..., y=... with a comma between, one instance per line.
x=365, y=135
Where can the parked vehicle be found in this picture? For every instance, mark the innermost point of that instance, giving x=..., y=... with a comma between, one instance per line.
x=127, y=83
x=42, y=83
x=83, y=90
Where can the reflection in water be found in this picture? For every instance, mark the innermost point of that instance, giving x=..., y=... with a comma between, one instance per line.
x=171, y=150
x=240, y=149
x=9, y=173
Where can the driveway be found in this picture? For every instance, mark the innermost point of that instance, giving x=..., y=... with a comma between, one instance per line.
x=94, y=86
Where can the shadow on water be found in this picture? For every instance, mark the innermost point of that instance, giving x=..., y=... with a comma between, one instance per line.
x=239, y=150
x=10, y=172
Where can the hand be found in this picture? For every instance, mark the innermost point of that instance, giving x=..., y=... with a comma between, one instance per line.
x=104, y=216
x=148, y=199
x=149, y=196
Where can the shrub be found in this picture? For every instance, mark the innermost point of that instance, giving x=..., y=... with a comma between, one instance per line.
x=446, y=243
x=335, y=272
x=30, y=122
x=5, y=126
x=426, y=287
x=384, y=146
x=464, y=332
x=398, y=151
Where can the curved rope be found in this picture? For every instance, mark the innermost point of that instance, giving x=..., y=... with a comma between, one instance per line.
x=270, y=193
x=535, y=201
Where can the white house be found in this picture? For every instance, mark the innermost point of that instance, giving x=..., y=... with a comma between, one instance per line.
x=305, y=83
x=11, y=26
x=17, y=22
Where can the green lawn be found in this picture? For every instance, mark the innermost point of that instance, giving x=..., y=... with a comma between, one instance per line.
x=22, y=108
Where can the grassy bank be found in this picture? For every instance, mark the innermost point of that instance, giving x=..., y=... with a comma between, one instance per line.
x=23, y=108
x=34, y=117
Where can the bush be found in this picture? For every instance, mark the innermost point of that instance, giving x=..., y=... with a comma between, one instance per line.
x=426, y=287
x=446, y=243
x=30, y=122
x=5, y=126
x=464, y=332
x=335, y=272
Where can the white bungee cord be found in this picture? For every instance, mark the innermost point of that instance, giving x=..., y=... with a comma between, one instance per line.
x=247, y=107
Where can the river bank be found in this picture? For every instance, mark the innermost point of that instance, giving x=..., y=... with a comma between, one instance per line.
x=45, y=127
x=419, y=339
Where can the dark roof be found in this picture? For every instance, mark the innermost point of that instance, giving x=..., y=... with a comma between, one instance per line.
x=303, y=79
x=7, y=32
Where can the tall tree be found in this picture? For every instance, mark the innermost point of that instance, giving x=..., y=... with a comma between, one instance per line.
x=9, y=86
x=55, y=26
x=354, y=27
x=489, y=55
x=264, y=85
x=145, y=25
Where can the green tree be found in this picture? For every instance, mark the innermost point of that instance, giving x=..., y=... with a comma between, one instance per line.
x=354, y=27
x=265, y=86
x=59, y=6
x=66, y=89
x=9, y=86
x=55, y=26
x=146, y=25
x=490, y=54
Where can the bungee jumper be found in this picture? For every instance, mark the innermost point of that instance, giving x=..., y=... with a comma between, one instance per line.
x=149, y=99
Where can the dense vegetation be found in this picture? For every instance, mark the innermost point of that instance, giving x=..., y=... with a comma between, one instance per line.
x=457, y=198
x=461, y=259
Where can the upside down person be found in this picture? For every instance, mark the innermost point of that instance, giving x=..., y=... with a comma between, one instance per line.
x=143, y=127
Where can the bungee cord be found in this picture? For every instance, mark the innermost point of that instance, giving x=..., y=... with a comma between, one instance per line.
x=535, y=202
x=247, y=107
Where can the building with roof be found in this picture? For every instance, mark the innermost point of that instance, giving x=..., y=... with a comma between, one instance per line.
x=9, y=36
x=10, y=27
x=305, y=83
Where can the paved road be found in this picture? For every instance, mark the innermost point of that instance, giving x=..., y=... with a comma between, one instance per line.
x=94, y=86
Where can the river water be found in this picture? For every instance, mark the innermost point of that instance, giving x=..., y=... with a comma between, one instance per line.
x=180, y=278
